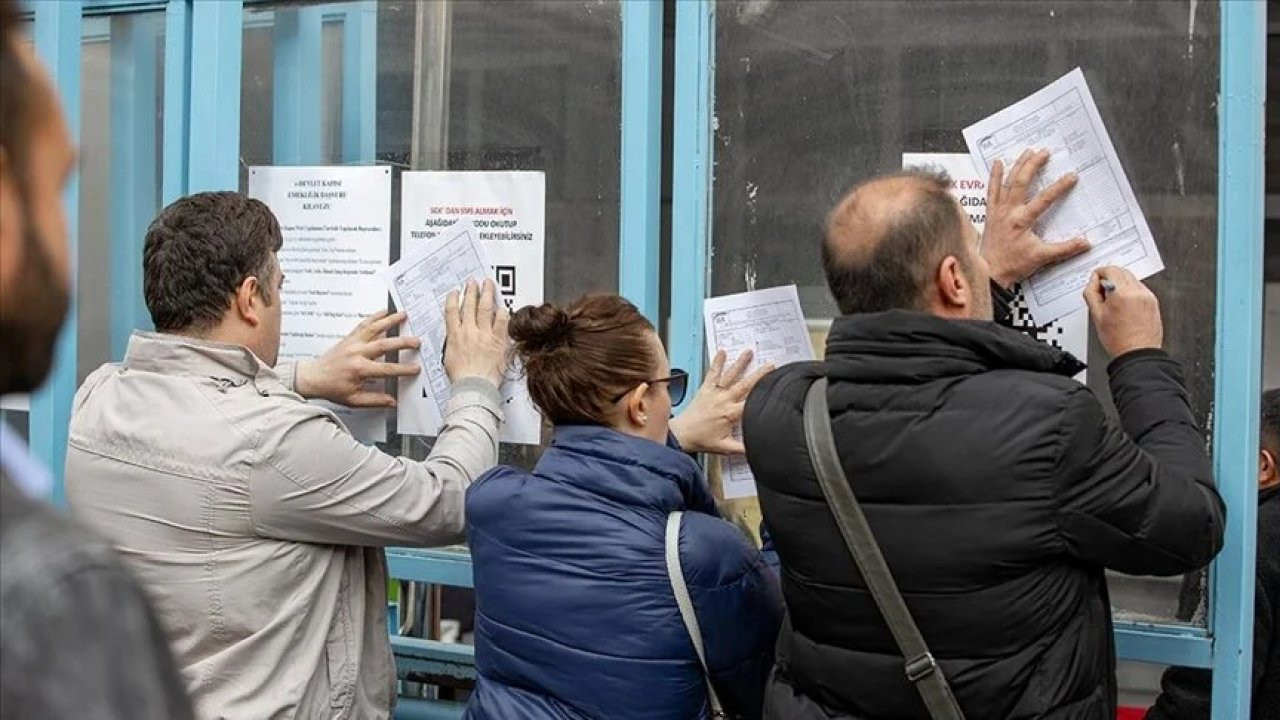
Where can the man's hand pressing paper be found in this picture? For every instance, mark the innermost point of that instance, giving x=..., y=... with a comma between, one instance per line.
x=339, y=375
x=1009, y=243
x=476, y=343
x=708, y=423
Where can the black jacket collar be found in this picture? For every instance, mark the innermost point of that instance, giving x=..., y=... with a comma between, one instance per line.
x=906, y=346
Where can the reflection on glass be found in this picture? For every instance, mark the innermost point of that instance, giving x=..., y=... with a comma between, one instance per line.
x=122, y=95
x=519, y=85
x=813, y=96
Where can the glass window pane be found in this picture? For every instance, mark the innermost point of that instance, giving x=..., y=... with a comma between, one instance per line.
x=520, y=85
x=813, y=96
x=121, y=131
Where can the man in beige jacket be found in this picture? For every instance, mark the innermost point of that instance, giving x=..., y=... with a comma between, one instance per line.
x=252, y=517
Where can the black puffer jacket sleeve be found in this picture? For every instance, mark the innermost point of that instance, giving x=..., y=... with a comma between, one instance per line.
x=1140, y=499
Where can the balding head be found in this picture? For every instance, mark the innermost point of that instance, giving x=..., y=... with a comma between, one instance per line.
x=888, y=239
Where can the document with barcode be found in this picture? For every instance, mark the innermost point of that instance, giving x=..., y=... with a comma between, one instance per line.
x=770, y=323
x=1102, y=208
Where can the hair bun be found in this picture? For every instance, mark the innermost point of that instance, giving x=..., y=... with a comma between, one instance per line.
x=541, y=328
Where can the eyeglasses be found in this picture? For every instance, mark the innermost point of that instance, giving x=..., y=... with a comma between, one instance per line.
x=677, y=386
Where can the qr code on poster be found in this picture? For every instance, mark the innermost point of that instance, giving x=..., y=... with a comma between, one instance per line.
x=505, y=277
x=1020, y=318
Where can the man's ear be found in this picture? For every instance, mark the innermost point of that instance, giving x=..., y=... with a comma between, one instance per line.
x=1268, y=472
x=247, y=299
x=952, y=284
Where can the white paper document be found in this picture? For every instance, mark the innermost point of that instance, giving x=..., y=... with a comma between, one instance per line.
x=1069, y=332
x=1063, y=119
x=771, y=324
x=335, y=222
x=506, y=215
x=420, y=284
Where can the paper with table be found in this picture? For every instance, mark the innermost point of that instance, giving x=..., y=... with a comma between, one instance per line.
x=771, y=324
x=1102, y=207
x=1069, y=332
x=420, y=283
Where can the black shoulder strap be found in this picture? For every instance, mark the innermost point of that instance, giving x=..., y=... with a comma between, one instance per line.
x=921, y=668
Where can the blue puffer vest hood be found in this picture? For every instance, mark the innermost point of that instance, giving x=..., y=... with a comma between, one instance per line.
x=575, y=616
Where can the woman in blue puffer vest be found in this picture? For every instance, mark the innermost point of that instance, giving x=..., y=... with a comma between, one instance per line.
x=575, y=613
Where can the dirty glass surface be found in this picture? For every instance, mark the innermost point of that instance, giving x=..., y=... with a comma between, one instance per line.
x=813, y=96
x=519, y=85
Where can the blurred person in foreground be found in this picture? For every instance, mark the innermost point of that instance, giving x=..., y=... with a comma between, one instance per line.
x=997, y=487
x=77, y=636
x=1187, y=693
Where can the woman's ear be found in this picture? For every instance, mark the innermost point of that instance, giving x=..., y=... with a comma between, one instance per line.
x=638, y=405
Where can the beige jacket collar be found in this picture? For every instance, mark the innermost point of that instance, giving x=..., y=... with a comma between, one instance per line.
x=168, y=354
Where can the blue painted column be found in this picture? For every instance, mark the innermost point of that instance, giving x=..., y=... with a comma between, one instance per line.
x=57, y=41
x=639, y=234
x=217, y=37
x=1238, y=373
x=297, y=86
x=177, y=100
x=360, y=83
x=135, y=43
x=691, y=186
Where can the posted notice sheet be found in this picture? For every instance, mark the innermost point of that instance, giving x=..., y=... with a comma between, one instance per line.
x=336, y=240
x=771, y=324
x=1069, y=332
x=1063, y=119
x=504, y=214
x=420, y=285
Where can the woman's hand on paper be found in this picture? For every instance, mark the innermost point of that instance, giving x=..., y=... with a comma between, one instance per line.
x=707, y=425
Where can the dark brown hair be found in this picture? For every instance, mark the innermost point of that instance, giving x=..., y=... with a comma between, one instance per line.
x=893, y=270
x=198, y=250
x=580, y=357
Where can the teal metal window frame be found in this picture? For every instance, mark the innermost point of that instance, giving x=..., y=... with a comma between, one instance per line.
x=202, y=63
x=202, y=50
x=58, y=33
x=1226, y=645
x=203, y=42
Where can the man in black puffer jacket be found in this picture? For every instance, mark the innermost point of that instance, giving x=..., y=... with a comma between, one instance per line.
x=997, y=486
